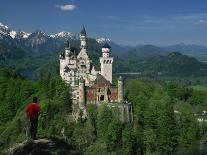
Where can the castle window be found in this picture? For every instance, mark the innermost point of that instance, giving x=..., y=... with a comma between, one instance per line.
x=104, y=61
x=83, y=66
x=102, y=98
x=107, y=61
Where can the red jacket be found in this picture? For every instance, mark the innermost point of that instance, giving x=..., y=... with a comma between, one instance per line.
x=33, y=109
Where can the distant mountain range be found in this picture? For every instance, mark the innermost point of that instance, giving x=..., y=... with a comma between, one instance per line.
x=40, y=43
x=37, y=53
x=190, y=49
x=37, y=42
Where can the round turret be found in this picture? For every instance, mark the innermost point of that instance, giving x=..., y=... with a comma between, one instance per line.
x=120, y=78
x=81, y=93
x=106, y=50
x=120, y=90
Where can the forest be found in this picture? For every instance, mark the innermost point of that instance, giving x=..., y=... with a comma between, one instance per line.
x=168, y=117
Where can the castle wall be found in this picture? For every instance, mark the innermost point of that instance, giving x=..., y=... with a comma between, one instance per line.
x=114, y=94
x=93, y=95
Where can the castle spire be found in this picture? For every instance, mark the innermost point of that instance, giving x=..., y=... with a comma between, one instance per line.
x=83, y=38
x=68, y=44
x=83, y=31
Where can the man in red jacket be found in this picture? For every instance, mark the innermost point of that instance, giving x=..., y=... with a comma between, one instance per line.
x=33, y=111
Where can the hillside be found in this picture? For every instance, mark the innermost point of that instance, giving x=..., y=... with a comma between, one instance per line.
x=27, y=52
x=154, y=62
x=34, y=66
x=173, y=64
x=196, y=51
x=26, y=64
x=43, y=146
x=15, y=94
x=145, y=51
x=176, y=64
x=167, y=119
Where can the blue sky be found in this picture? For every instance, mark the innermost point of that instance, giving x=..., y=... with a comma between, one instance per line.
x=158, y=22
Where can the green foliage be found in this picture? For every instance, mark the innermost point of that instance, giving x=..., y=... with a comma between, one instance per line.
x=165, y=117
x=187, y=124
x=55, y=104
x=97, y=148
x=104, y=118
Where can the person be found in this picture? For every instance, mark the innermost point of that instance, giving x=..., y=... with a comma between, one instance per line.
x=33, y=111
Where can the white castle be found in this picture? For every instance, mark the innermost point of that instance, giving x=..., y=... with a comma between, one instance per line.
x=90, y=86
x=73, y=67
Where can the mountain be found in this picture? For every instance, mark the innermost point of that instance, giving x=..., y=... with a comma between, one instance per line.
x=145, y=51
x=5, y=32
x=172, y=64
x=176, y=64
x=116, y=48
x=197, y=51
x=187, y=48
x=103, y=40
x=37, y=42
x=62, y=34
x=27, y=52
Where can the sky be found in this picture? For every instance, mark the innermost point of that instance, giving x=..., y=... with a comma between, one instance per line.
x=127, y=22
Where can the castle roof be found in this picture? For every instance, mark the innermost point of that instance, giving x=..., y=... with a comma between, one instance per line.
x=101, y=82
x=83, y=31
x=106, y=45
x=67, y=45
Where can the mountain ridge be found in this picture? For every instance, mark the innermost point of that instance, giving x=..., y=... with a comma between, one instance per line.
x=41, y=43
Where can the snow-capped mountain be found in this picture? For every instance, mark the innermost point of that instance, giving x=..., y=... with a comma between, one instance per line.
x=3, y=26
x=22, y=35
x=103, y=40
x=36, y=42
x=5, y=31
x=62, y=34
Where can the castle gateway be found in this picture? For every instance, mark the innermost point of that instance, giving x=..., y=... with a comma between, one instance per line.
x=90, y=86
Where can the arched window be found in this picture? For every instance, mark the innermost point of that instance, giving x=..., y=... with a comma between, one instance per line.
x=102, y=98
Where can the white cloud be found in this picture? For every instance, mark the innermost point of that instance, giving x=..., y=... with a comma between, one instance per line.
x=201, y=22
x=66, y=7
x=192, y=16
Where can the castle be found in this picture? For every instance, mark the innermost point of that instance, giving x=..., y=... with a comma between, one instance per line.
x=90, y=86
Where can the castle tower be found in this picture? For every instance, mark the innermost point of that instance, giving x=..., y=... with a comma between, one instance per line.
x=106, y=63
x=120, y=90
x=82, y=99
x=68, y=51
x=83, y=38
x=64, y=60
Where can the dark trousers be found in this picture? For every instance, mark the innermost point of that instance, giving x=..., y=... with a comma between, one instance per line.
x=33, y=127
